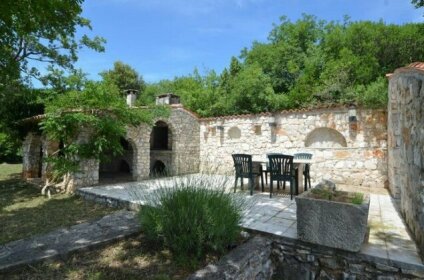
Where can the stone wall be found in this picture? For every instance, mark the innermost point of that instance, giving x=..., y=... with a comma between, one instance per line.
x=248, y=261
x=294, y=259
x=406, y=145
x=264, y=257
x=348, y=150
x=31, y=159
x=186, y=143
x=88, y=170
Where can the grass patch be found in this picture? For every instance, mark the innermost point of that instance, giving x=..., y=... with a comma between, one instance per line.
x=10, y=171
x=339, y=196
x=24, y=212
x=132, y=258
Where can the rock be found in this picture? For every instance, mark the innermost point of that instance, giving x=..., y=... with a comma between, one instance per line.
x=326, y=185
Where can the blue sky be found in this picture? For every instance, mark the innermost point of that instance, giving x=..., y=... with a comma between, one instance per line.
x=162, y=39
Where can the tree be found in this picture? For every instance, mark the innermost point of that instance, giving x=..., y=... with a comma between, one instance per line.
x=418, y=3
x=33, y=33
x=124, y=77
x=40, y=31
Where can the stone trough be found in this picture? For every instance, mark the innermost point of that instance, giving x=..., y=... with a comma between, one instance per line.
x=330, y=223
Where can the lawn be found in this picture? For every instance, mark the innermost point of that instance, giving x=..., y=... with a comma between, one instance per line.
x=24, y=212
x=131, y=258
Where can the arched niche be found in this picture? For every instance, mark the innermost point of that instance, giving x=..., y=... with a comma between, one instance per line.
x=118, y=168
x=158, y=169
x=234, y=133
x=161, y=137
x=324, y=137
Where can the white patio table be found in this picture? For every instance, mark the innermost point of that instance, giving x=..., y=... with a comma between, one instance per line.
x=299, y=165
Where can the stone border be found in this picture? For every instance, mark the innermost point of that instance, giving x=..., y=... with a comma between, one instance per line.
x=107, y=200
x=250, y=260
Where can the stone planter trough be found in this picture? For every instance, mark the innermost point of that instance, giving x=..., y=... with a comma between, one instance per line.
x=330, y=223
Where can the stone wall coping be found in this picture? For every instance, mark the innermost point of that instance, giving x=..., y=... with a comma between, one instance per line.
x=332, y=109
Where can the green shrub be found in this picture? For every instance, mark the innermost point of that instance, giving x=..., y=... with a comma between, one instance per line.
x=192, y=217
x=358, y=198
x=374, y=95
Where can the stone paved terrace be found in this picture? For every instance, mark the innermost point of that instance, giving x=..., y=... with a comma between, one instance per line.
x=388, y=238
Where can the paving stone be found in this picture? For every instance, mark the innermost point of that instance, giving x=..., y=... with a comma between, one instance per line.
x=262, y=214
x=64, y=241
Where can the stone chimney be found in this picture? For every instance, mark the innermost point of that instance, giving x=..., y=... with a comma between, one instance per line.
x=131, y=96
x=167, y=99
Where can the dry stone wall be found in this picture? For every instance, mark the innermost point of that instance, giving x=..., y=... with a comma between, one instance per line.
x=265, y=257
x=347, y=150
x=406, y=146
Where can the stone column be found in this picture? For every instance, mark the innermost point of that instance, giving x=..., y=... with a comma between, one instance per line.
x=406, y=145
x=31, y=150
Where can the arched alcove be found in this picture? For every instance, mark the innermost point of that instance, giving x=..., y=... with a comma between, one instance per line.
x=158, y=169
x=118, y=168
x=234, y=133
x=161, y=137
x=324, y=137
x=161, y=149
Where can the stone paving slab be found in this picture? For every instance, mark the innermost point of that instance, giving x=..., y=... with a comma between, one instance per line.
x=66, y=240
x=389, y=238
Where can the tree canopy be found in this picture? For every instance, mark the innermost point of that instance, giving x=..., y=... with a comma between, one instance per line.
x=41, y=31
x=124, y=77
x=35, y=34
x=305, y=63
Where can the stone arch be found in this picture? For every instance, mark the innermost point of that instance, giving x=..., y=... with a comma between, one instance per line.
x=234, y=133
x=158, y=168
x=325, y=137
x=120, y=167
x=32, y=156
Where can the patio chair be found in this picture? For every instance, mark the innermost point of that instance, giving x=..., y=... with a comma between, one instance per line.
x=266, y=170
x=244, y=169
x=282, y=170
x=306, y=176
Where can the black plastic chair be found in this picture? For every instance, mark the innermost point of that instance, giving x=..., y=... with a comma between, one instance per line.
x=244, y=169
x=306, y=175
x=282, y=170
x=266, y=170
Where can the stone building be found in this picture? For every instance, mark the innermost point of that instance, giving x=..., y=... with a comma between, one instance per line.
x=349, y=145
x=170, y=146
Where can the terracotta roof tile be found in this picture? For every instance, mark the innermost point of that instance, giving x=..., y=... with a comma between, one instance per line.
x=417, y=65
x=413, y=66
